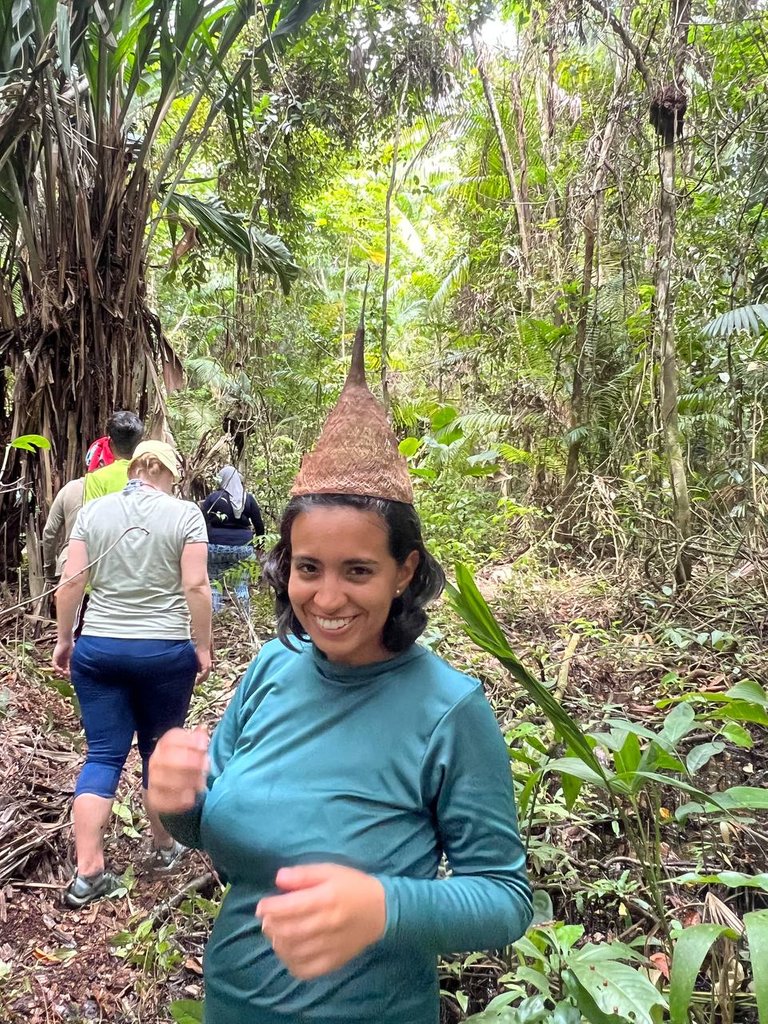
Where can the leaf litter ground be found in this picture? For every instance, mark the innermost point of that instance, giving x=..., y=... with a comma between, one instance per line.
x=105, y=964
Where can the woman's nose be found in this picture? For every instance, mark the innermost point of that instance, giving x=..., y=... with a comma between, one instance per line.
x=329, y=595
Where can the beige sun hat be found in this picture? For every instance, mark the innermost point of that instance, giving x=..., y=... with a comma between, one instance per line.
x=161, y=451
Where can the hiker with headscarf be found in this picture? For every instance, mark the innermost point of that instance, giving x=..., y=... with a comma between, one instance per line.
x=233, y=519
x=349, y=761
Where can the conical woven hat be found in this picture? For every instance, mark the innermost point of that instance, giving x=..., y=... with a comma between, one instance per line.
x=357, y=451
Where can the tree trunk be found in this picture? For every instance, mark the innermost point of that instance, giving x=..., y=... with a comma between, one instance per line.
x=391, y=190
x=86, y=343
x=591, y=224
x=387, y=267
x=525, y=210
x=577, y=383
x=668, y=381
x=665, y=297
x=506, y=158
x=667, y=109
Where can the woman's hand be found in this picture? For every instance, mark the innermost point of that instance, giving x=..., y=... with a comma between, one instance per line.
x=326, y=915
x=62, y=655
x=204, y=663
x=178, y=770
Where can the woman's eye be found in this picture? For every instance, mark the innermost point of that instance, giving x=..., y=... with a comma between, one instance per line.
x=306, y=568
x=360, y=570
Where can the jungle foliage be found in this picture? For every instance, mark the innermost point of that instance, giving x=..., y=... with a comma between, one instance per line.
x=560, y=211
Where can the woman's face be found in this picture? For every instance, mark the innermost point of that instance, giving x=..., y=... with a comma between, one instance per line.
x=343, y=581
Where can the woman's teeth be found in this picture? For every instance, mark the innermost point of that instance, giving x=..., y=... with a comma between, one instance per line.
x=333, y=623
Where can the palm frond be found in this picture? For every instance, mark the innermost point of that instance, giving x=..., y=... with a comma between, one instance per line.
x=252, y=244
x=455, y=278
x=752, y=319
x=513, y=455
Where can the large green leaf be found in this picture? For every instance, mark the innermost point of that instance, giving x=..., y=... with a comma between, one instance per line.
x=618, y=989
x=737, y=798
x=741, y=711
x=753, y=319
x=627, y=758
x=532, y=1010
x=610, y=992
x=216, y=222
x=756, y=925
x=272, y=255
x=286, y=16
x=483, y=628
x=750, y=691
x=252, y=244
x=30, y=442
x=679, y=722
x=737, y=735
x=733, y=879
x=691, y=947
x=699, y=755
x=576, y=767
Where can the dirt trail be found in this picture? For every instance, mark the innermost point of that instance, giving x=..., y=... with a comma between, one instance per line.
x=60, y=965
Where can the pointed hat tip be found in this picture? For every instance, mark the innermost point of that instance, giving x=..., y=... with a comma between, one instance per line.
x=356, y=373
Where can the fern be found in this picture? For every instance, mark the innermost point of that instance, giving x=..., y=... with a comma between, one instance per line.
x=482, y=423
x=207, y=371
x=514, y=456
x=579, y=433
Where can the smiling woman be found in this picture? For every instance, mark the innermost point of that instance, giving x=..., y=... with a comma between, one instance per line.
x=343, y=582
x=350, y=760
x=380, y=559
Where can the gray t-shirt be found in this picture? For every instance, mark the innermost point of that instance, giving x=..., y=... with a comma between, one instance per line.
x=136, y=590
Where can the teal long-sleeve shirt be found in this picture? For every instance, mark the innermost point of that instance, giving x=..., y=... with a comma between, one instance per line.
x=382, y=768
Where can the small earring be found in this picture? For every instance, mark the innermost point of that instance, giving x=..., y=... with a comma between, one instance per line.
x=397, y=592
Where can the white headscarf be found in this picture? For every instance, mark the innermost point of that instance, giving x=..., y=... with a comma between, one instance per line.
x=231, y=482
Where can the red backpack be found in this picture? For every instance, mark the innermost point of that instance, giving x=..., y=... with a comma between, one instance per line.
x=98, y=455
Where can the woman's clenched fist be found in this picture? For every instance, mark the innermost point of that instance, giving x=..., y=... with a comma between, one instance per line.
x=178, y=770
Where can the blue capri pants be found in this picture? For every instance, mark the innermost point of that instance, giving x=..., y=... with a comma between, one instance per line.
x=126, y=687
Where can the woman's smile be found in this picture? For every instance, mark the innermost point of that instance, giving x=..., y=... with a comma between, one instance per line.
x=335, y=624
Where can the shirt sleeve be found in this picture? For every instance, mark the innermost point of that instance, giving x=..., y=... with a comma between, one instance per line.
x=80, y=529
x=53, y=526
x=254, y=514
x=186, y=827
x=194, y=528
x=467, y=781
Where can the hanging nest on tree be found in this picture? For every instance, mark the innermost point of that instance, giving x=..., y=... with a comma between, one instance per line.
x=667, y=112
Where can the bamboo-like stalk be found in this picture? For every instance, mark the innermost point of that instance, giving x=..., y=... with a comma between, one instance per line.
x=506, y=158
x=388, y=249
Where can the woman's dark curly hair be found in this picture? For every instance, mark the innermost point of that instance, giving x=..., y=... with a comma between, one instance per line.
x=407, y=618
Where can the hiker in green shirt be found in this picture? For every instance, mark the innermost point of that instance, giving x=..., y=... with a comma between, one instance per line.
x=125, y=430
